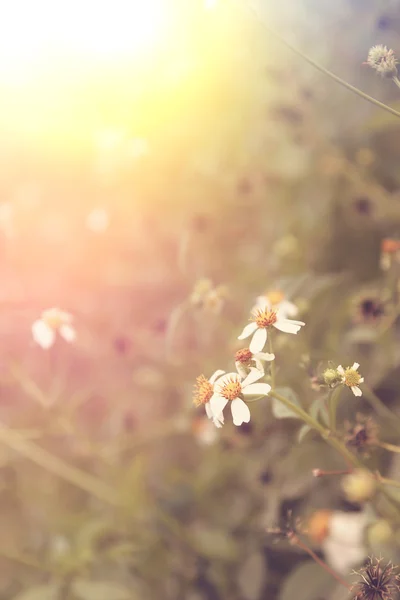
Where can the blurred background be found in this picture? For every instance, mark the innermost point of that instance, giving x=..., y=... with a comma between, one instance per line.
x=163, y=163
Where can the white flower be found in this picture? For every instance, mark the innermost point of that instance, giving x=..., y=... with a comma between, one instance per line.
x=345, y=547
x=53, y=320
x=231, y=387
x=382, y=60
x=204, y=391
x=351, y=378
x=278, y=301
x=264, y=317
x=244, y=360
x=97, y=220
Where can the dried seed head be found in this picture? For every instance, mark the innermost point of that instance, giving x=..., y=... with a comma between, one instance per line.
x=378, y=581
x=382, y=60
x=361, y=435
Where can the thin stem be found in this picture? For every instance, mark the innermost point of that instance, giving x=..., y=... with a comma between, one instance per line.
x=294, y=539
x=273, y=367
x=390, y=447
x=387, y=481
x=396, y=81
x=333, y=401
x=322, y=69
x=57, y=466
x=380, y=408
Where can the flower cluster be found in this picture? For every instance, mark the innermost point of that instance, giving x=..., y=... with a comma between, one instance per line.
x=53, y=320
x=235, y=387
x=345, y=376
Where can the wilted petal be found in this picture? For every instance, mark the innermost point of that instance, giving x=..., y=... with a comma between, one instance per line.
x=241, y=369
x=43, y=334
x=217, y=405
x=258, y=341
x=257, y=389
x=68, y=333
x=254, y=375
x=356, y=390
x=215, y=375
x=240, y=412
x=247, y=331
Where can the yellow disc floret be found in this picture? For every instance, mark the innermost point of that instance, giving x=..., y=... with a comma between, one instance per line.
x=203, y=391
x=243, y=356
x=351, y=377
x=231, y=390
x=265, y=318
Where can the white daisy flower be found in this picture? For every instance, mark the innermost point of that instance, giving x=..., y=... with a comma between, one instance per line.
x=53, y=320
x=278, y=301
x=204, y=391
x=231, y=387
x=351, y=378
x=264, y=316
x=245, y=360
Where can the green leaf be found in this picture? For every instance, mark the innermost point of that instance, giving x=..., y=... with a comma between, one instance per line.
x=307, y=582
x=85, y=589
x=252, y=576
x=279, y=410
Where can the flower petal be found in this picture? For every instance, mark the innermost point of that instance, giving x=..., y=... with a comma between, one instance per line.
x=215, y=375
x=68, y=333
x=355, y=366
x=264, y=356
x=257, y=389
x=258, y=341
x=222, y=381
x=361, y=380
x=288, y=326
x=241, y=369
x=262, y=303
x=43, y=334
x=209, y=412
x=340, y=369
x=247, y=331
x=356, y=390
x=254, y=375
x=218, y=420
x=217, y=405
x=240, y=412
x=288, y=309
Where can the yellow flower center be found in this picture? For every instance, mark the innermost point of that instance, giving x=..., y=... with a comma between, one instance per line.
x=53, y=319
x=265, y=318
x=351, y=377
x=203, y=390
x=243, y=356
x=231, y=390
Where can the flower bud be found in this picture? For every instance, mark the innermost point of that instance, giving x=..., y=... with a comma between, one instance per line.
x=359, y=486
x=332, y=377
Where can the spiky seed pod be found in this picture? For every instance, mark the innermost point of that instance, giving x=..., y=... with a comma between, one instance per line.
x=377, y=581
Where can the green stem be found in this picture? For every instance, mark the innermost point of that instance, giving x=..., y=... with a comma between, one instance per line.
x=273, y=367
x=322, y=69
x=333, y=401
x=58, y=467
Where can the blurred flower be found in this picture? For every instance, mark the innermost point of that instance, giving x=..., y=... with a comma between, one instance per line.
x=204, y=431
x=361, y=435
x=244, y=360
x=359, y=486
x=263, y=318
x=351, y=378
x=278, y=301
x=208, y=297
x=390, y=252
x=377, y=581
x=97, y=220
x=382, y=60
x=204, y=391
x=380, y=533
x=231, y=387
x=53, y=320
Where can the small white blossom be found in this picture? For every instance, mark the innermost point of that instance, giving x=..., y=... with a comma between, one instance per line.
x=97, y=220
x=278, y=301
x=382, y=60
x=264, y=316
x=345, y=547
x=53, y=320
x=204, y=391
x=231, y=387
x=245, y=360
x=351, y=378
